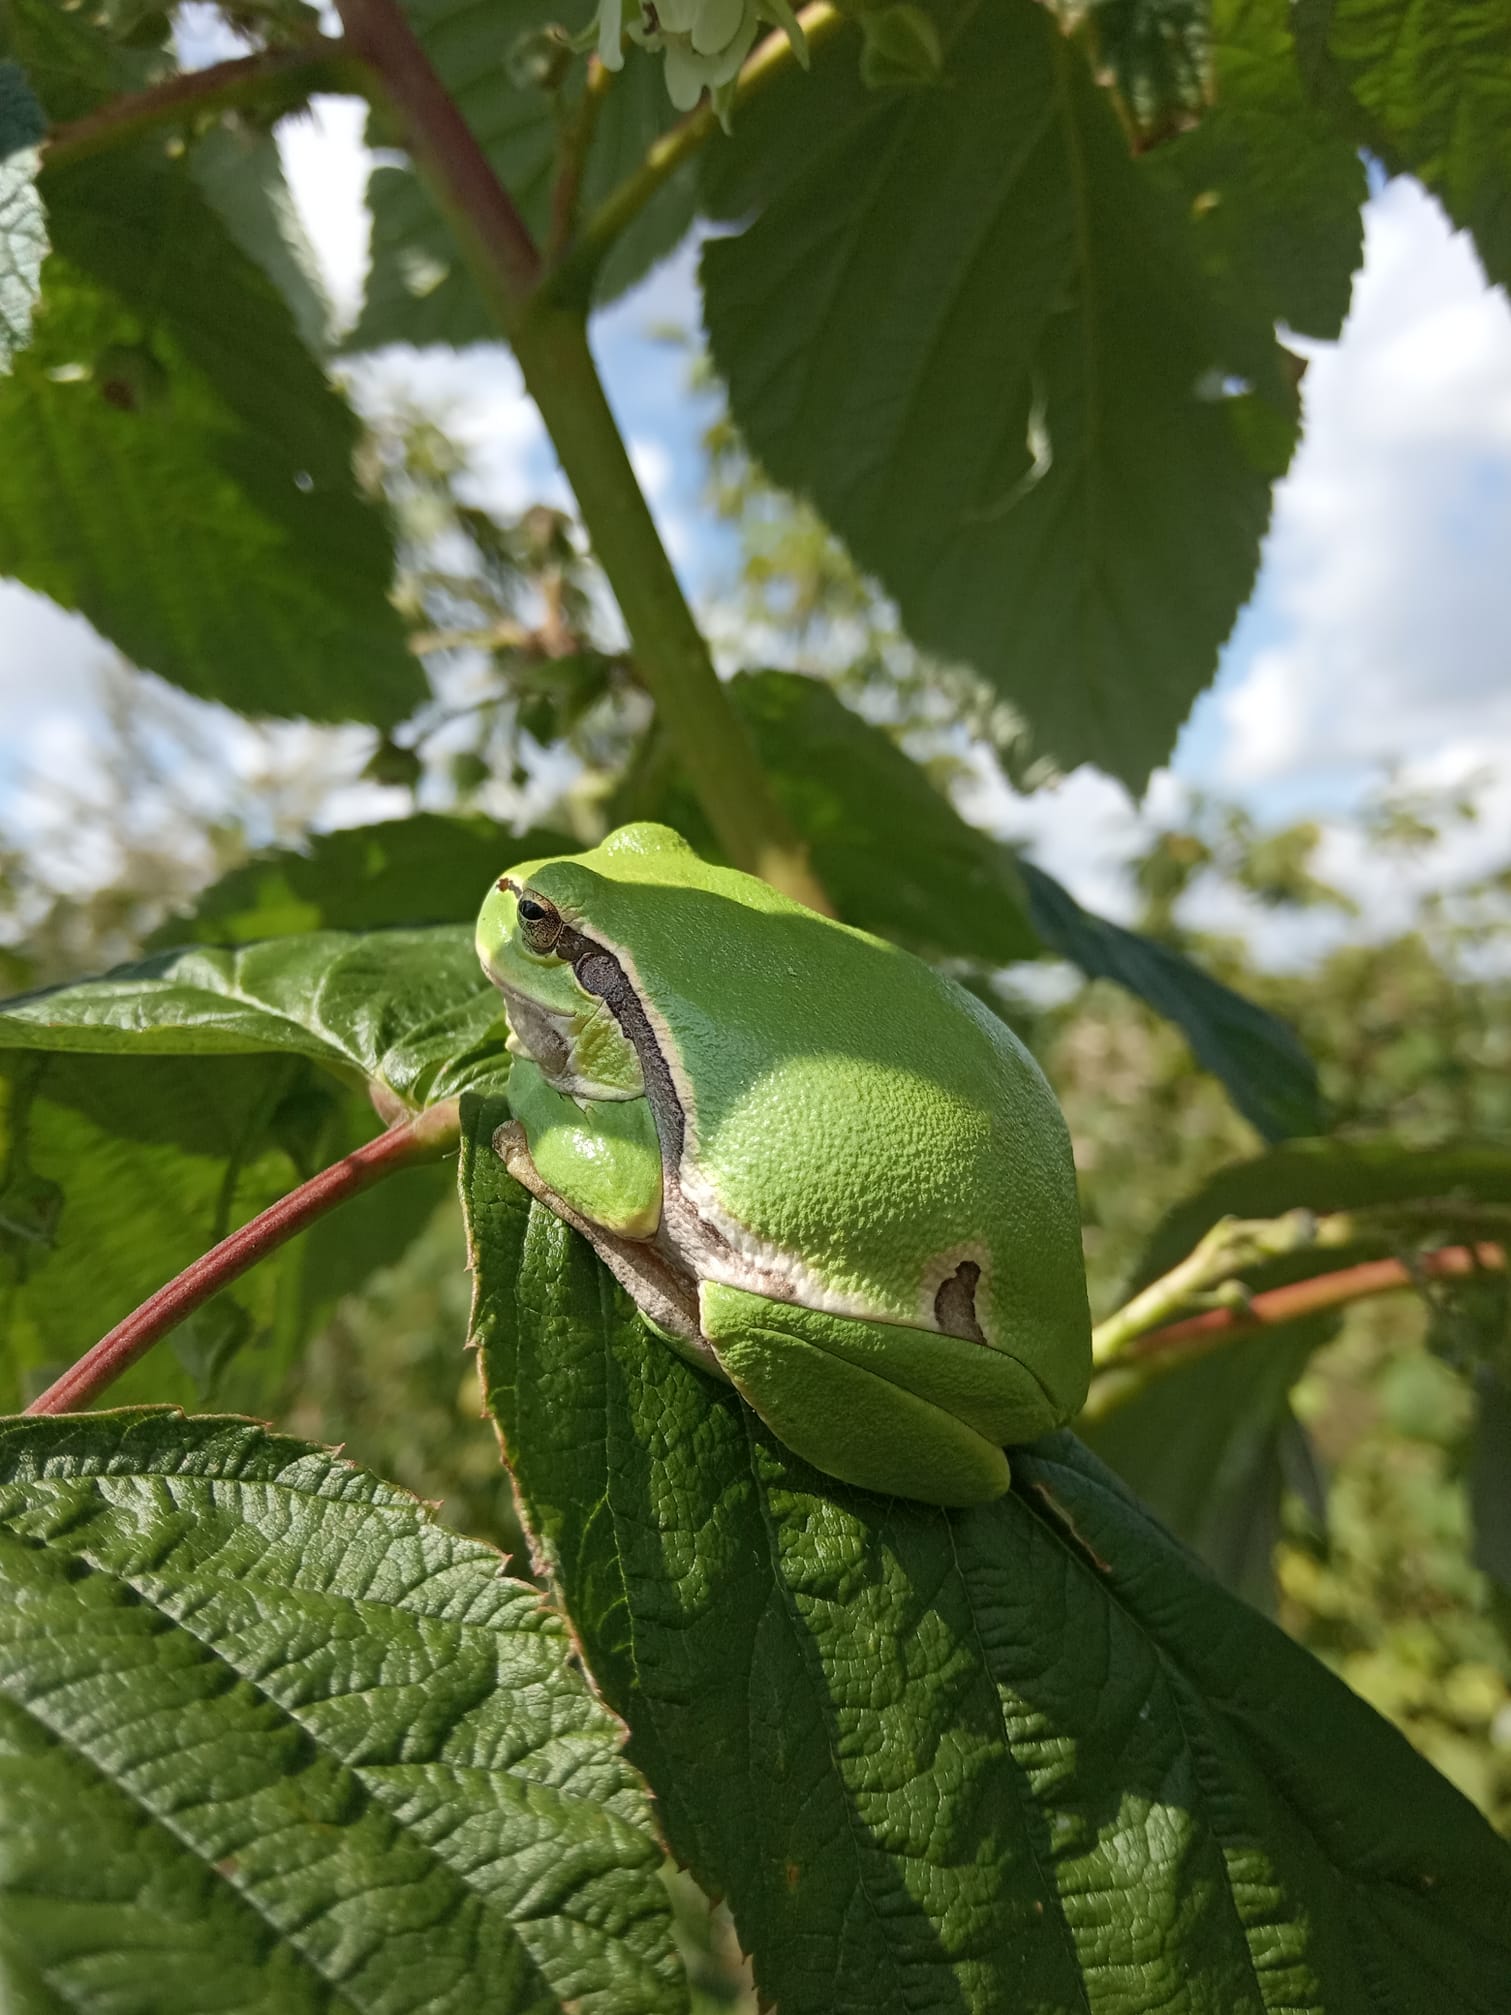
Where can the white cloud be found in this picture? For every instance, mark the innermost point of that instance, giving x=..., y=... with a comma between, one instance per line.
x=325, y=165
x=1386, y=598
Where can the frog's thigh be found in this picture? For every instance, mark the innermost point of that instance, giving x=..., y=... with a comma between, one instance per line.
x=813, y=1385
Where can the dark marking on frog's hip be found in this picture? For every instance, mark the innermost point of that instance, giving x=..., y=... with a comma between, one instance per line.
x=955, y=1303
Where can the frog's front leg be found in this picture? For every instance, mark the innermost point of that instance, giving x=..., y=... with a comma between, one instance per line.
x=905, y=1411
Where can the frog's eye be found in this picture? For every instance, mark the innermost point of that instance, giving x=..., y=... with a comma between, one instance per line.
x=539, y=923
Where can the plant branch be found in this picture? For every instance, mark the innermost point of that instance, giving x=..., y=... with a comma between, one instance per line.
x=290, y=72
x=1157, y=1351
x=1205, y=1295
x=566, y=191
x=572, y=278
x=489, y=228
x=551, y=347
x=425, y=1137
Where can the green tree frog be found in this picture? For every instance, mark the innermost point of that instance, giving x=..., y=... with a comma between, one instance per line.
x=825, y=1172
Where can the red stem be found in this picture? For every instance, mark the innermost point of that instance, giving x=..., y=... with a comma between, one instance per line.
x=424, y=1138
x=298, y=68
x=1309, y=1297
x=443, y=144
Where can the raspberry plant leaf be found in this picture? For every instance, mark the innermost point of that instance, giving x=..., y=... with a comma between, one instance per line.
x=977, y=335
x=116, y=1172
x=930, y=1758
x=406, y=1012
x=156, y=396
x=1209, y=1442
x=1275, y=186
x=264, y=1724
x=1425, y=86
x=428, y=869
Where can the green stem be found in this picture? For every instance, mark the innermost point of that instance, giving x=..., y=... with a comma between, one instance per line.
x=551, y=345
x=281, y=77
x=1210, y=1274
x=671, y=655
x=427, y=1136
x=572, y=278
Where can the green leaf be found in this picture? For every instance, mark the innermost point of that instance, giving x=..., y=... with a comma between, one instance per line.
x=1266, y=1072
x=422, y=870
x=178, y=470
x=1027, y=1756
x=1426, y=86
x=239, y=171
x=117, y=1172
x=969, y=327
x=892, y=852
x=1205, y=1443
x=271, y=1739
x=407, y=1010
x=23, y=228
x=1276, y=187
x=1490, y=1476
x=71, y=64
x=419, y=290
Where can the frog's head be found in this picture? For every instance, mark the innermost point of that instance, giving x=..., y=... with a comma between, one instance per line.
x=554, y=980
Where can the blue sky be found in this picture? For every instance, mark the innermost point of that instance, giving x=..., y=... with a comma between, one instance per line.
x=1375, y=641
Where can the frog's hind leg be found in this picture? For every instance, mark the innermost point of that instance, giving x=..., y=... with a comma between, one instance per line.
x=817, y=1382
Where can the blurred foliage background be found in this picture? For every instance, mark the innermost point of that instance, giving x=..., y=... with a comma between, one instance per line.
x=537, y=717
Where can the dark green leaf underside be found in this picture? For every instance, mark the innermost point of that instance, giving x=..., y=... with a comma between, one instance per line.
x=271, y=1740
x=1267, y=1073
x=970, y=328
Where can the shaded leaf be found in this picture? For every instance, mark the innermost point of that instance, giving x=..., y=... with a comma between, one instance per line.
x=263, y=1723
x=891, y=851
x=117, y=1172
x=423, y=870
x=1157, y=55
x=23, y=228
x=239, y=171
x=1027, y=1756
x=1266, y=1072
x=1204, y=1444
x=178, y=394
x=419, y=290
x=970, y=328
x=1276, y=186
x=405, y=1010
x=1202, y=1440
x=1426, y=86
x=1490, y=1476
